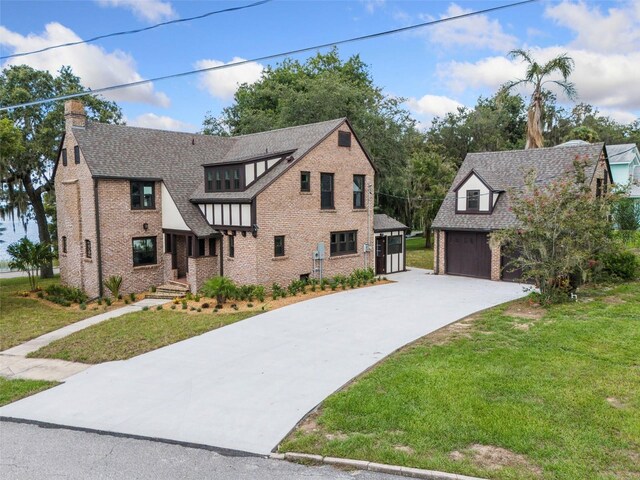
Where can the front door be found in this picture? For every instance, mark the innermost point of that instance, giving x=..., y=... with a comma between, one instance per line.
x=381, y=255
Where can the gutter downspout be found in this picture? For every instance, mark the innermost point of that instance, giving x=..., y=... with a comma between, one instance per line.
x=222, y=256
x=98, y=242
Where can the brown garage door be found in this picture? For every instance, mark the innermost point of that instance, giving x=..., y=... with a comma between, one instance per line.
x=468, y=254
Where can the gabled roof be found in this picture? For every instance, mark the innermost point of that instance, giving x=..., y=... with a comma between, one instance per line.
x=506, y=171
x=623, y=153
x=384, y=223
x=176, y=158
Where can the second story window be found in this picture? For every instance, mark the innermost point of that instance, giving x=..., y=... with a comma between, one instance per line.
x=64, y=244
x=64, y=157
x=473, y=200
x=76, y=154
x=278, y=246
x=344, y=139
x=358, y=191
x=87, y=248
x=224, y=178
x=326, y=191
x=143, y=195
x=305, y=181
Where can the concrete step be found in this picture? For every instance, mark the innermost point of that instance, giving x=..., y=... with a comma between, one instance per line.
x=177, y=283
x=165, y=295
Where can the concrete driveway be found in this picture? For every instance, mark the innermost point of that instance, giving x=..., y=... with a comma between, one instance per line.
x=245, y=386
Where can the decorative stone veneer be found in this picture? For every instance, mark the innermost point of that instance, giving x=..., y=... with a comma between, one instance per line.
x=283, y=210
x=438, y=258
x=496, y=270
x=201, y=269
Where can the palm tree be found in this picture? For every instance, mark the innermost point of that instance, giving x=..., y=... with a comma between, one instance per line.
x=536, y=75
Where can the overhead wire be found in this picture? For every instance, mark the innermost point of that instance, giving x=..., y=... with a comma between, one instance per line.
x=138, y=30
x=268, y=57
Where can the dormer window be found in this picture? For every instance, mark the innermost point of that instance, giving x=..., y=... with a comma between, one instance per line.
x=228, y=178
x=473, y=200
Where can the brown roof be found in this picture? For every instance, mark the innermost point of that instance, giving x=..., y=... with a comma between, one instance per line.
x=384, y=223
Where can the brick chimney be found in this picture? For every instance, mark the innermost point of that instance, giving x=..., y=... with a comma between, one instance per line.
x=74, y=114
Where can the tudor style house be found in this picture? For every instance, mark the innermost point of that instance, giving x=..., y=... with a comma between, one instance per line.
x=157, y=206
x=478, y=203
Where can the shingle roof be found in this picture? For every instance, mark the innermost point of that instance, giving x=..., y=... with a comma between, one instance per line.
x=505, y=171
x=117, y=151
x=383, y=222
x=624, y=153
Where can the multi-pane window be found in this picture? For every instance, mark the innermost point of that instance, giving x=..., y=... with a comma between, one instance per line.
x=76, y=154
x=343, y=243
x=305, y=181
x=87, y=248
x=64, y=157
x=473, y=199
x=221, y=179
x=344, y=139
x=144, y=251
x=232, y=246
x=212, y=247
x=64, y=244
x=142, y=195
x=326, y=191
x=394, y=244
x=358, y=191
x=278, y=246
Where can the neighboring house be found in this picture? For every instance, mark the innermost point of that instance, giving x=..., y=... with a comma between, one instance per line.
x=478, y=203
x=625, y=167
x=390, y=244
x=156, y=206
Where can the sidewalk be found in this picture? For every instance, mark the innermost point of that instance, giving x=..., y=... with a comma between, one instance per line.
x=14, y=364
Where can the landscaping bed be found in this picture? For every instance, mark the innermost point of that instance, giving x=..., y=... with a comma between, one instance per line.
x=15, y=389
x=516, y=392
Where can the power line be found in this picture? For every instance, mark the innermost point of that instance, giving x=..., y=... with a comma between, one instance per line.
x=130, y=32
x=266, y=57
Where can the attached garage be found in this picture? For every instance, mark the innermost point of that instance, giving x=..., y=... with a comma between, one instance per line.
x=468, y=253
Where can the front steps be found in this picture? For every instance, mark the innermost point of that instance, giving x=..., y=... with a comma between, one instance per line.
x=172, y=289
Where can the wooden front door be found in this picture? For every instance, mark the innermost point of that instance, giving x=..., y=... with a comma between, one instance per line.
x=468, y=253
x=381, y=255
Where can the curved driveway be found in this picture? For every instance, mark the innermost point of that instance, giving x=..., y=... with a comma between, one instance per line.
x=245, y=386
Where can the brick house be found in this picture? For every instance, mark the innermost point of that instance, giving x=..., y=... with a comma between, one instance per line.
x=478, y=203
x=157, y=206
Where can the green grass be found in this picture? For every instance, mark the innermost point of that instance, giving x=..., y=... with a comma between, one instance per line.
x=560, y=396
x=133, y=334
x=22, y=319
x=15, y=389
x=417, y=255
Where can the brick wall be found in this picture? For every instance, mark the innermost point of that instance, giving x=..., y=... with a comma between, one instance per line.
x=76, y=216
x=244, y=266
x=283, y=210
x=496, y=273
x=438, y=257
x=119, y=224
x=600, y=173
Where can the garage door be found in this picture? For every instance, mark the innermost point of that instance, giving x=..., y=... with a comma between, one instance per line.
x=468, y=253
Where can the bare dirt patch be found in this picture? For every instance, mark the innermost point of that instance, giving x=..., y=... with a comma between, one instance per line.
x=495, y=458
x=309, y=425
x=404, y=449
x=616, y=403
x=613, y=300
x=522, y=326
x=523, y=310
x=454, y=331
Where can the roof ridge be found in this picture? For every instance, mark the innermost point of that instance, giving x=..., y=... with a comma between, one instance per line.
x=523, y=150
x=341, y=119
x=162, y=130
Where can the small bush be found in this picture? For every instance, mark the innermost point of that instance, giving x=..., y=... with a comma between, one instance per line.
x=107, y=302
x=173, y=306
x=622, y=265
x=40, y=294
x=258, y=291
x=205, y=305
x=83, y=306
x=99, y=301
x=188, y=296
x=197, y=298
x=215, y=310
x=184, y=304
x=113, y=284
x=250, y=305
x=159, y=307
x=219, y=288
x=59, y=300
x=277, y=291
x=176, y=301
x=193, y=309
x=132, y=296
x=198, y=310
x=145, y=308
x=153, y=289
x=218, y=307
x=126, y=301
x=234, y=306
x=70, y=294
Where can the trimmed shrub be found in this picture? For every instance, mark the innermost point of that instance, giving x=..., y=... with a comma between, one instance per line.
x=623, y=265
x=173, y=306
x=159, y=307
x=113, y=284
x=259, y=293
x=220, y=288
x=145, y=308
x=107, y=302
x=83, y=306
x=205, y=305
x=70, y=294
x=132, y=296
x=277, y=291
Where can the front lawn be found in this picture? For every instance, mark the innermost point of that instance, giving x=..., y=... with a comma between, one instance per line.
x=135, y=333
x=17, y=388
x=417, y=255
x=512, y=393
x=23, y=318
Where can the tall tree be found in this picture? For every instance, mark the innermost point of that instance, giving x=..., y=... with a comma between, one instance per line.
x=325, y=87
x=27, y=175
x=537, y=75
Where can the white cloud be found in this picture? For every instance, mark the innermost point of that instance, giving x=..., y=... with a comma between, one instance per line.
x=150, y=10
x=161, y=122
x=617, y=31
x=224, y=83
x=604, y=80
x=433, y=105
x=619, y=116
x=371, y=5
x=95, y=67
x=477, y=32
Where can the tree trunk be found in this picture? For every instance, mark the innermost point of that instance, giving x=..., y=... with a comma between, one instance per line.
x=35, y=198
x=427, y=234
x=534, y=122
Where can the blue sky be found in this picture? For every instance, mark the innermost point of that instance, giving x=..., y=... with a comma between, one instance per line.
x=435, y=69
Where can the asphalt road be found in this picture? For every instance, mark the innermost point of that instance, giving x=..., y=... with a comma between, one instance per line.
x=30, y=452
